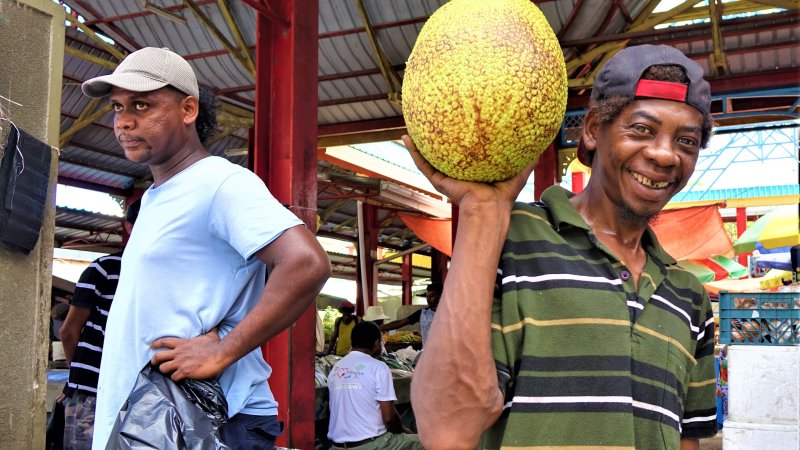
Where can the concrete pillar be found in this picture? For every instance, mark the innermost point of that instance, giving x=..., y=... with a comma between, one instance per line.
x=32, y=33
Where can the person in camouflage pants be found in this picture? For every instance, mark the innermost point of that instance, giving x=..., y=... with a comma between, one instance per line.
x=78, y=421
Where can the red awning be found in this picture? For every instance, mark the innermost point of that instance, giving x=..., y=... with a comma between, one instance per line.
x=693, y=233
x=437, y=232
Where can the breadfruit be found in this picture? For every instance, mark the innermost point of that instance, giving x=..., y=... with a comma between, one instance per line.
x=485, y=88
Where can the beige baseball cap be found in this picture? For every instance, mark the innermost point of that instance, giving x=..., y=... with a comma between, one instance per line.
x=146, y=70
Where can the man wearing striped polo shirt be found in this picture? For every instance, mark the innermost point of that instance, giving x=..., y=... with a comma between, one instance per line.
x=594, y=338
x=83, y=334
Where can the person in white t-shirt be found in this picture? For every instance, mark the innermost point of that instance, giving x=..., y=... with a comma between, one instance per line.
x=362, y=399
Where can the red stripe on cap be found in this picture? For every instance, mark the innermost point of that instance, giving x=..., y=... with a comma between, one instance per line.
x=662, y=89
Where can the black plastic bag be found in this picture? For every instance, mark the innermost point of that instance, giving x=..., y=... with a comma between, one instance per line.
x=163, y=414
x=24, y=179
x=54, y=434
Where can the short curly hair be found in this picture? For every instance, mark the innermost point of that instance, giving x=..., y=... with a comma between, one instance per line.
x=608, y=109
x=206, y=123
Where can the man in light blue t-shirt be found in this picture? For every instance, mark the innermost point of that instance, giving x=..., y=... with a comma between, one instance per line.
x=191, y=297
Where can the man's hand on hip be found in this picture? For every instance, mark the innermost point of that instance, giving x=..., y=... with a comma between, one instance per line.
x=196, y=358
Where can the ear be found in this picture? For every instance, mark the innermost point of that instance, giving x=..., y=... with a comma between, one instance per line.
x=190, y=106
x=591, y=125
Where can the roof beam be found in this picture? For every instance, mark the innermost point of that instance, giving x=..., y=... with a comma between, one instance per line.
x=717, y=59
x=391, y=78
x=89, y=114
x=740, y=7
x=174, y=8
x=227, y=14
x=204, y=19
x=395, y=24
x=110, y=26
x=361, y=126
x=730, y=28
x=111, y=65
x=267, y=12
x=785, y=4
x=641, y=23
x=89, y=32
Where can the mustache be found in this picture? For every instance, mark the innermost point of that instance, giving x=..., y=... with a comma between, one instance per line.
x=128, y=138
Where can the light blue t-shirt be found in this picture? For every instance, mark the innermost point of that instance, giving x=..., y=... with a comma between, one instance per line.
x=189, y=267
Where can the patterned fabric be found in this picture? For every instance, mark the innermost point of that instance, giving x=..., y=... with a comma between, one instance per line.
x=95, y=291
x=425, y=321
x=79, y=421
x=585, y=356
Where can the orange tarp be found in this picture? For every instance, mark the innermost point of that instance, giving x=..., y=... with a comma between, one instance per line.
x=437, y=232
x=688, y=233
x=693, y=233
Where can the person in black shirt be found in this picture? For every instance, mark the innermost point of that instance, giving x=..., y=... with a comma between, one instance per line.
x=82, y=335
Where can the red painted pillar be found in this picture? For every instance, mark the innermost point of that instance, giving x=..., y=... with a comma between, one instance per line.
x=408, y=279
x=577, y=182
x=545, y=171
x=741, y=225
x=285, y=157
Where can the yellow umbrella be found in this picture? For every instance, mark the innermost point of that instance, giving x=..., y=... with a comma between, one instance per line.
x=775, y=229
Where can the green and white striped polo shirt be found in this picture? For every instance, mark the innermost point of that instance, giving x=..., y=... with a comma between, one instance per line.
x=588, y=359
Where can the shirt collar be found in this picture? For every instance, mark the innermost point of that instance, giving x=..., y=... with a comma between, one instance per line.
x=563, y=213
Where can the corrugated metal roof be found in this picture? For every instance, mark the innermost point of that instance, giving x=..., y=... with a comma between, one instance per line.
x=351, y=88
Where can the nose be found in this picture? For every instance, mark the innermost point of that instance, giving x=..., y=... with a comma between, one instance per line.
x=663, y=152
x=124, y=120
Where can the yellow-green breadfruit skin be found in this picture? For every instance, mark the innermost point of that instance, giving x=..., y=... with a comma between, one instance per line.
x=485, y=88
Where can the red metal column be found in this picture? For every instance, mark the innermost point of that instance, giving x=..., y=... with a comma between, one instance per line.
x=285, y=157
x=741, y=225
x=438, y=266
x=545, y=171
x=408, y=279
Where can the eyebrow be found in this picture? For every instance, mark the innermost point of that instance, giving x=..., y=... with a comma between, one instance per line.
x=648, y=116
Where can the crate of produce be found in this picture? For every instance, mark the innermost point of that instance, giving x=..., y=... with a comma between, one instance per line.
x=759, y=318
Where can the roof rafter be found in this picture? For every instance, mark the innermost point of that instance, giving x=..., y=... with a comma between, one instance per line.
x=717, y=59
x=227, y=13
x=90, y=113
x=89, y=32
x=108, y=64
x=206, y=21
x=393, y=82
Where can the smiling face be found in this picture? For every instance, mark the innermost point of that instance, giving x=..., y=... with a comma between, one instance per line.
x=152, y=126
x=645, y=156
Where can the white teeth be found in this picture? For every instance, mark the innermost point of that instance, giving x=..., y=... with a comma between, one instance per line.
x=650, y=183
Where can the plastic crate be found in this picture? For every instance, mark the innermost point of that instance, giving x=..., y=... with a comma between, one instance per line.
x=759, y=318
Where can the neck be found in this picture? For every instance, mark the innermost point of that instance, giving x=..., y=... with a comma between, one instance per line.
x=620, y=235
x=191, y=152
x=608, y=221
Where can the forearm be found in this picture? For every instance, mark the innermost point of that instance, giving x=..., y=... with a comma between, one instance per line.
x=457, y=416
x=69, y=341
x=71, y=330
x=690, y=444
x=290, y=290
